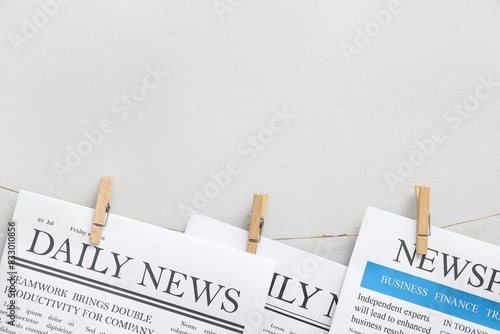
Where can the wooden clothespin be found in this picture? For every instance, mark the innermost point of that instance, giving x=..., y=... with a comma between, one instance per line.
x=423, y=194
x=101, y=209
x=256, y=221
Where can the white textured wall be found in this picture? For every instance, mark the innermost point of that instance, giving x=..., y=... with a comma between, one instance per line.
x=360, y=104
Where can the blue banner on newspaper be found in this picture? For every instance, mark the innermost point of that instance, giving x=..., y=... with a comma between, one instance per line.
x=431, y=295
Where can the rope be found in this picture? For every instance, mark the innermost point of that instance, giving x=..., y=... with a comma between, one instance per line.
x=325, y=236
x=321, y=236
x=17, y=192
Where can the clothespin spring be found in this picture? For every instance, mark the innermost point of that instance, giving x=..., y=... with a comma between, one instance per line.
x=108, y=207
x=430, y=232
x=261, y=226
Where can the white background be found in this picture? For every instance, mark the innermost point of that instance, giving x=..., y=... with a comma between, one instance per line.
x=358, y=113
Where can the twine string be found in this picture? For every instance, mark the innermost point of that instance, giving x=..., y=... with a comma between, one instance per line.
x=14, y=191
x=324, y=236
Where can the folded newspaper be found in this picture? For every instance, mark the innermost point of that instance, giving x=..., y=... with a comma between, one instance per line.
x=139, y=279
